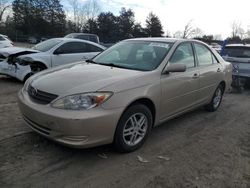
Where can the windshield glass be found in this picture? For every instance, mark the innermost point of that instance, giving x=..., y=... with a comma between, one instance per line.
x=237, y=51
x=46, y=45
x=137, y=55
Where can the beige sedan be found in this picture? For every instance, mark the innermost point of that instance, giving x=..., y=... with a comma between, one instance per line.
x=121, y=94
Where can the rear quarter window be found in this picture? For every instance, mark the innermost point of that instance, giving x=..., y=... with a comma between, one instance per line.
x=237, y=51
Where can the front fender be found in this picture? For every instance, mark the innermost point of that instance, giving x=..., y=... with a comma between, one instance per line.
x=22, y=71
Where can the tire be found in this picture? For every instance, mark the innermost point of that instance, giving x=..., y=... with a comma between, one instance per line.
x=216, y=100
x=247, y=84
x=136, y=133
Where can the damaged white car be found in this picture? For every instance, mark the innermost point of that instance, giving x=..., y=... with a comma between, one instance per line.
x=21, y=63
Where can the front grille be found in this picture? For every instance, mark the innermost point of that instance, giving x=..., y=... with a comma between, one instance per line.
x=40, y=97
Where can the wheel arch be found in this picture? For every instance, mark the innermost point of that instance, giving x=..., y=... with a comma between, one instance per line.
x=223, y=84
x=34, y=63
x=147, y=102
x=37, y=62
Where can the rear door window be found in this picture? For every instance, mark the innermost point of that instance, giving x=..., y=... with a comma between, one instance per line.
x=204, y=55
x=92, y=48
x=72, y=47
x=237, y=51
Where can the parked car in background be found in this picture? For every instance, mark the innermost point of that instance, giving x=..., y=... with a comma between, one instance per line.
x=21, y=63
x=216, y=46
x=5, y=41
x=239, y=56
x=118, y=96
x=33, y=40
x=84, y=36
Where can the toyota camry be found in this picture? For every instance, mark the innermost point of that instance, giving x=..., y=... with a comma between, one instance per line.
x=121, y=94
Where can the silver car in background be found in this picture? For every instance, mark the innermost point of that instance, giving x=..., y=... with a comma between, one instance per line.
x=21, y=63
x=239, y=56
x=5, y=41
x=118, y=96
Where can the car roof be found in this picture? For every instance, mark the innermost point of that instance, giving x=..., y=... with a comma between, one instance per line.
x=79, y=40
x=238, y=45
x=161, y=39
x=81, y=34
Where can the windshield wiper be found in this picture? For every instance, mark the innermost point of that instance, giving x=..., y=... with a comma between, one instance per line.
x=91, y=61
x=107, y=64
x=113, y=65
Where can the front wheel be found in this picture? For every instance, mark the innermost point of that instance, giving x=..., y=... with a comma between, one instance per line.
x=216, y=100
x=133, y=128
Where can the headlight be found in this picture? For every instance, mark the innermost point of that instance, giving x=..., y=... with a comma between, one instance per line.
x=26, y=85
x=83, y=101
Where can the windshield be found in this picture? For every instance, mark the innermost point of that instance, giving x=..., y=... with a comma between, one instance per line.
x=47, y=45
x=137, y=55
x=237, y=51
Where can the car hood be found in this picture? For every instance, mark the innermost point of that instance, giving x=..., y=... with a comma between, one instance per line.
x=6, y=52
x=84, y=77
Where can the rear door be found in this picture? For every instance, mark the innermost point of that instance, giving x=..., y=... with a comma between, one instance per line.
x=74, y=51
x=179, y=90
x=211, y=72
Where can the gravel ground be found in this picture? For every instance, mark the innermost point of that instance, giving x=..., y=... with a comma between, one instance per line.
x=198, y=149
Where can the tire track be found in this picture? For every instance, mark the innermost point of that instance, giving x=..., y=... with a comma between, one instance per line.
x=245, y=153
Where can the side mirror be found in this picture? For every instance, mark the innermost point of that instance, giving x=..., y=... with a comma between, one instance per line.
x=174, y=68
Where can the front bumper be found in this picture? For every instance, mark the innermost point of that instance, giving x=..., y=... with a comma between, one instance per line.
x=14, y=70
x=79, y=129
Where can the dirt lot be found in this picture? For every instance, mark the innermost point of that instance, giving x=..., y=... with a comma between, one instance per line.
x=201, y=149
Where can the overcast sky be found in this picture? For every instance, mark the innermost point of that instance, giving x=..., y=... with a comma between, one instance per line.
x=212, y=16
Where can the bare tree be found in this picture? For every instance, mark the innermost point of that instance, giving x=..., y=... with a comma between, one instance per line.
x=217, y=37
x=92, y=9
x=237, y=30
x=248, y=34
x=178, y=34
x=4, y=6
x=188, y=30
x=168, y=34
x=82, y=11
x=197, y=33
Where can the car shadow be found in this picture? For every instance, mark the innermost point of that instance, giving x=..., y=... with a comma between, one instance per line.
x=8, y=79
x=38, y=156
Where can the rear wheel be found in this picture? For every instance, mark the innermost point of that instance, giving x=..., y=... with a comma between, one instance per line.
x=216, y=100
x=133, y=128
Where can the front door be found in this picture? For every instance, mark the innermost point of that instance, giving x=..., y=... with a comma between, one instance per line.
x=179, y=90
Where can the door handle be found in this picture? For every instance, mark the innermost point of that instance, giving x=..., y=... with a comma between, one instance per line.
x=218, y=70
x=196, y=75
